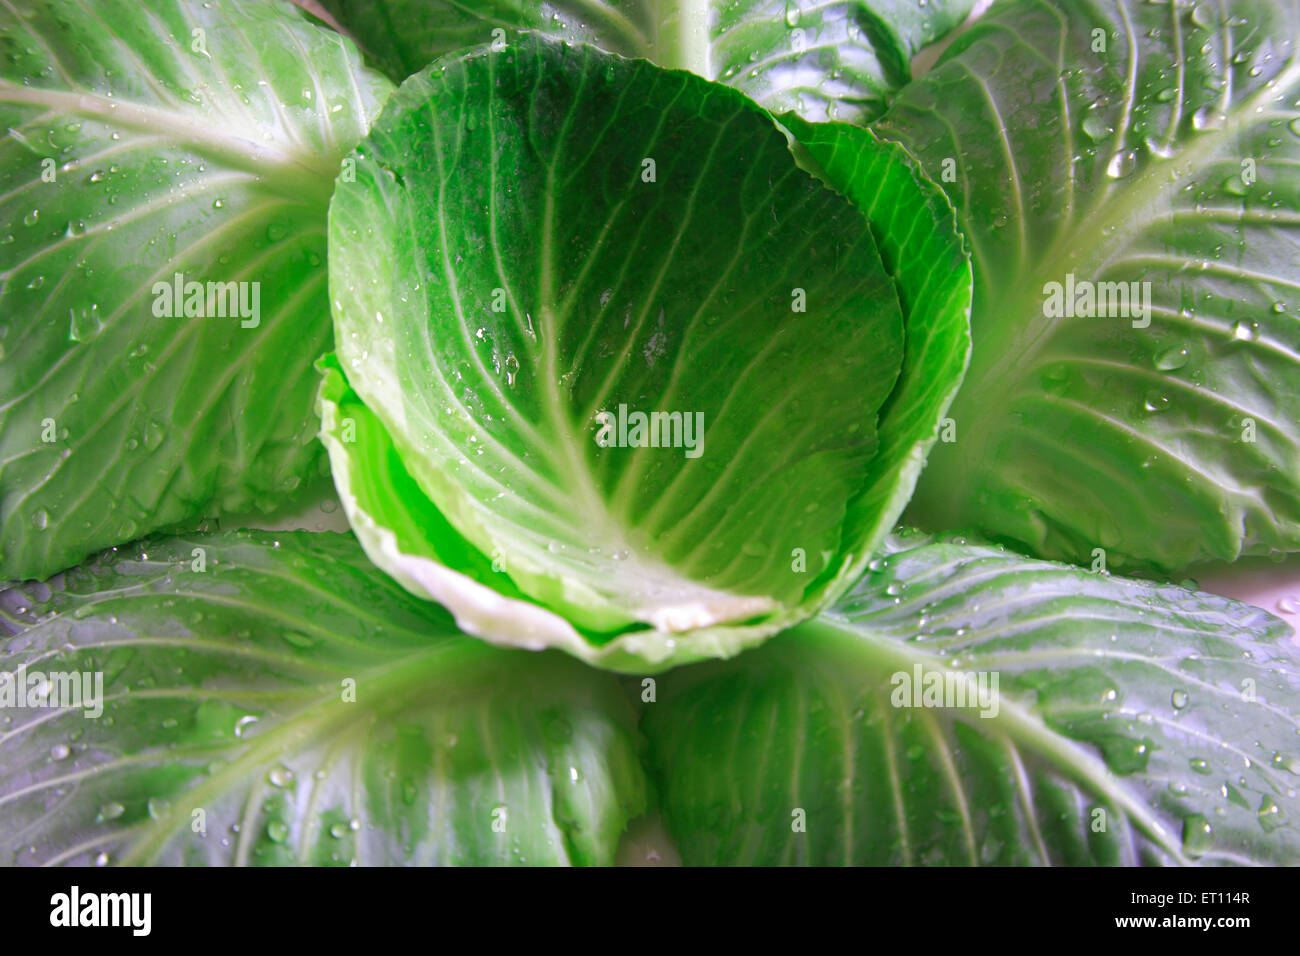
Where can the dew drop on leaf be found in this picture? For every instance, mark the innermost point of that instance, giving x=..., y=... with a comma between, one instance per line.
x=1122, y=164
x=1171, y=359
x=1198, y=835
x=1235, y=186
x=1270, y=814
x=1203, y=17
x=1096, y=127
x=1156, y=402
x=1208, y=117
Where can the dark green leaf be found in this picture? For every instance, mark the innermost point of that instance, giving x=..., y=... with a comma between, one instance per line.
x=837, y=60
x=1111, y=144
x=227, y=735
x=145, y=141
x=1134, y=723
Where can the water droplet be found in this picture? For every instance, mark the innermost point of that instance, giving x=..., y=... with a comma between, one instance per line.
x=1235, y=795
x=59, y=752
x=1235, y=186
x=1156, y=402
x=1245, y=331
x=111, y=811
x=1270, y=814
x=277, y=830
x=280, y=777
x=1171, y=359
x=1161, y=149
x=1096, y=127
x=1179, y=699
x=1198, y=836
x=1290, y=764
x=1122, y=164
x=1209, y=117
x=40, y=519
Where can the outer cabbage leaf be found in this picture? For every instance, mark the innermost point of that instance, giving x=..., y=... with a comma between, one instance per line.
x=668, y=295
x=142, y=142
x=1096, y=142
x=1135, y=723
x=273, y=699
x=837, y=60
x=916, y=230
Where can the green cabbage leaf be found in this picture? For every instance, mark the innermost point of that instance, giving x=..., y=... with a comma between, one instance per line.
x=661, y=395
